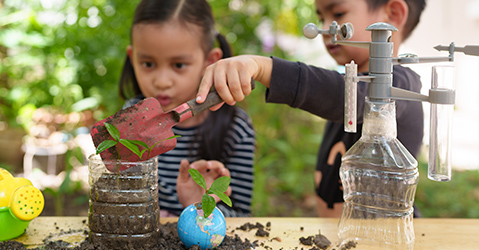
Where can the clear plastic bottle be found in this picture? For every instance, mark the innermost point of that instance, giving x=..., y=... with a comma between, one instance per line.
x=124, y=211
x=379, y=178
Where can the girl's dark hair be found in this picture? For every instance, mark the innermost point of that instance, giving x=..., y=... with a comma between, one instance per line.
x=197, y=12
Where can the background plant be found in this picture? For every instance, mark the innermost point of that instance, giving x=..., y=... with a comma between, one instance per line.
x=68, y=187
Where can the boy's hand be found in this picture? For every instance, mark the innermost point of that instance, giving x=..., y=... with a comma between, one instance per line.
x=186, y=188
x=232, y=77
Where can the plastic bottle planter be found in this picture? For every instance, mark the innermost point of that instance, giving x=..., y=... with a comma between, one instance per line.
x=194, y=229
x=379, y=178
x=124, y=211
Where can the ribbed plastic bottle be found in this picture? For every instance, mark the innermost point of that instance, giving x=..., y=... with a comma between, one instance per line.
x=379, y=178
x=124, y=211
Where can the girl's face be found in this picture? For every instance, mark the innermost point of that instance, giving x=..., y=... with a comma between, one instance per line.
x=357, y=13
x=169, y=61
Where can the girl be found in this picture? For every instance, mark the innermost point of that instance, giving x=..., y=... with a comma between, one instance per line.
x=172, y=43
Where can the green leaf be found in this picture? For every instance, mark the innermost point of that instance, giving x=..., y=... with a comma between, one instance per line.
x=197, y=177
x=113, y=131
x=130, y=146
x=208, y=204
x=223, y=197
x=105, y=145
x=142, y=152
x=169, y=138
x=221, y=184
x=139, y=143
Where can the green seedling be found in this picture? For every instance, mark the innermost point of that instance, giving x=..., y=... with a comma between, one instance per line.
x=218, y=187
x=130, y=144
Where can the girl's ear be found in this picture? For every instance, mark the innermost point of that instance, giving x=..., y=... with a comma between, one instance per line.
x=397, y=13
x=213, y=56
x=129, y=51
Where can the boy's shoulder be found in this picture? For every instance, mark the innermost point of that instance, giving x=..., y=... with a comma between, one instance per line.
x=403, y=70
x=406, y=78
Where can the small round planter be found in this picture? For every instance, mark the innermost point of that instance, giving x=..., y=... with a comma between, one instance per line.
x=195, y=229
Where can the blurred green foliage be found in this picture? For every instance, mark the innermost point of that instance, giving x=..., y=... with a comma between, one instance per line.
x=65, y=54
x=457, y=198
x=68, y=187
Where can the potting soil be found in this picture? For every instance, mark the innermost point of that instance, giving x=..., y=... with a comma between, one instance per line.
x=167, y=239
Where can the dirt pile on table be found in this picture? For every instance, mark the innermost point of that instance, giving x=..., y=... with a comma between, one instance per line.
x=262, y=231
x=167, y=239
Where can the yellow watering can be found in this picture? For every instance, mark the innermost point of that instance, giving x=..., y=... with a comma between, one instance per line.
x=20, y=202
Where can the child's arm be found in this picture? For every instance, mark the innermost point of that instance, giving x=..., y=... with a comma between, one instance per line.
x=188, y=191
x=232, y=77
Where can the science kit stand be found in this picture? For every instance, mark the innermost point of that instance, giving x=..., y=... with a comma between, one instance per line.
x=378, y=174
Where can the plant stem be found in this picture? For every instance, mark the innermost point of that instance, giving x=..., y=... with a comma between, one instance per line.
x=118, y=165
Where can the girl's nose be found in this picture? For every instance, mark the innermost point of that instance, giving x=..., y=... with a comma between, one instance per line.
x=162, y=80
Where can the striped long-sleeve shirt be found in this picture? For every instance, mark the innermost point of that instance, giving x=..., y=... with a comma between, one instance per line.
x=240, y=146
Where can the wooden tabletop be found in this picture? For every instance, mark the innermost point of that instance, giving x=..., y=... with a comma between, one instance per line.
x=437, y=234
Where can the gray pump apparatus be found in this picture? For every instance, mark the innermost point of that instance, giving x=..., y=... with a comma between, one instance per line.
x=441, y=95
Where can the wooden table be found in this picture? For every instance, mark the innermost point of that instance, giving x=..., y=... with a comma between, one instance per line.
x=431, y=234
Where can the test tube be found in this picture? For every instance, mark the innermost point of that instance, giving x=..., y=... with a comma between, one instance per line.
x=439, y=168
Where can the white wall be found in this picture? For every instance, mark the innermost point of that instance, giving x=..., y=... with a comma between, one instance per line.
x=443, y=22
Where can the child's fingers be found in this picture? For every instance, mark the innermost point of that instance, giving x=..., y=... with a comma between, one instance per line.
x=245, y=77
x=239, y=79
x=234, y=84
x=218, y=169
x=229, y=191
x=183, y=174
x=205, y=85
x=201, y=166
x=246, y=84
x=215, y=75
x=222, y=86
x=216, y=107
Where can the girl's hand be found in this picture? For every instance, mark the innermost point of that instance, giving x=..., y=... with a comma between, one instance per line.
x=188, y=191
x=232, y=77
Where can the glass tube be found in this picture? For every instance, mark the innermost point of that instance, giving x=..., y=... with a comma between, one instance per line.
x=439, y=168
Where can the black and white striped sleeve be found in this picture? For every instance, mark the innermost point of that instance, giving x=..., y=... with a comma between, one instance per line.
x=240, y=148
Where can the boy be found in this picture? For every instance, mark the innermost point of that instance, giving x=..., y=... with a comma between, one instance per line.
x=321, y=91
